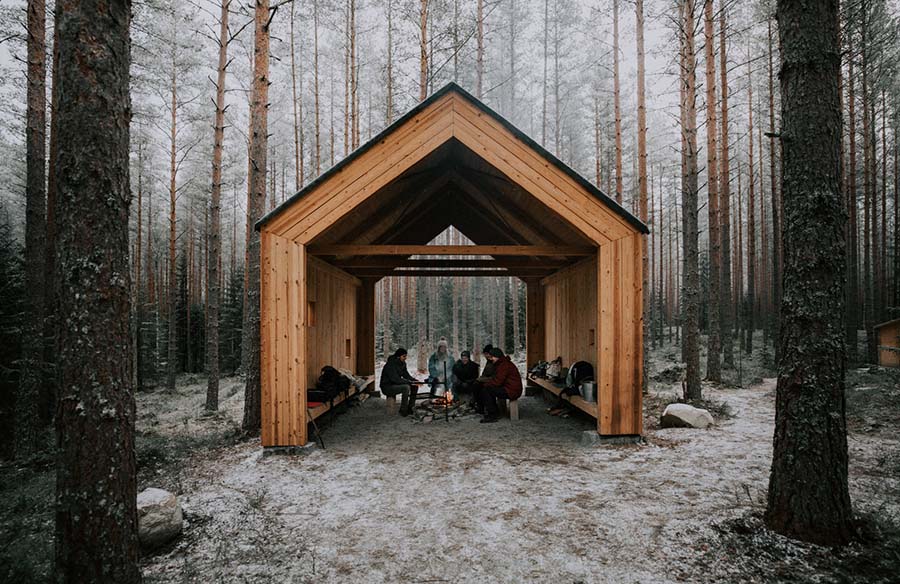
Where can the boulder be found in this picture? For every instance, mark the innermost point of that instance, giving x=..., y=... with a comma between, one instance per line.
x=685, y=416
x=159, y=517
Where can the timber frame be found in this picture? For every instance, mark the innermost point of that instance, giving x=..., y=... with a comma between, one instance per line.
x=450, y=161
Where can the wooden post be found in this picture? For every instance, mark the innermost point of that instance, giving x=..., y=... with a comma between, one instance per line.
x=365, y=327
x=534, y=321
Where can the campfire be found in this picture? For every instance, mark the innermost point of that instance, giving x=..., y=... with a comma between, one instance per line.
x=445, y=406
x=445, y=400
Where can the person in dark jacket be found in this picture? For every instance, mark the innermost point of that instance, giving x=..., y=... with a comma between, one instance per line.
x=486, y=375
x=505, y=384
x=395, y=379
x=465, y=372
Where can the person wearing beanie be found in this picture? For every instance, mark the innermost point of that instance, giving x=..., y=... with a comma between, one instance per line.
x=440, y=366
x=465, y=372
x=395, y=379
x=505, y=384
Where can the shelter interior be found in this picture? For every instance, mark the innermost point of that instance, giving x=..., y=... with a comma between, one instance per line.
x=449, y=162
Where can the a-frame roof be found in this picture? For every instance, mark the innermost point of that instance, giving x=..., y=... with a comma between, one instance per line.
x=489, y=155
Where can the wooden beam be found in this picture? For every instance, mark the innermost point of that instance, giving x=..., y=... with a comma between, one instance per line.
x=380, y=272
x=393, y=262
x=458, y=250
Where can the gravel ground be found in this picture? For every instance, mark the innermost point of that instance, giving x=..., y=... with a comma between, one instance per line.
x=390, y=500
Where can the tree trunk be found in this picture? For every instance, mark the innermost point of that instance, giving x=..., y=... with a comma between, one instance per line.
x=354, y=81
x=544, y=84
x=868, y=163
x=27, y=437
x=727, y=303
x=51, y=285
x=852, y=320
x=257, y=179
x=642, y=175
x=751, y=226
x=808, y=494
x=776, y=207
x=616, y=98
x=713, y=365
x=479, y=50
x=172, y=306
x=297, y=110
x=215, y=246
x=691, y=285
x=316, y=104
x=96, y=514
x=423, y=50
x=137, y=307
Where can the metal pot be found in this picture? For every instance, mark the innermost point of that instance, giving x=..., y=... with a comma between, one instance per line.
x=589, y=391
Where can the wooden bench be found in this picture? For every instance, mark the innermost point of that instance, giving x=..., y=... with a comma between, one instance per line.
x=512, y=409
x=362, y=392
x=590, y=408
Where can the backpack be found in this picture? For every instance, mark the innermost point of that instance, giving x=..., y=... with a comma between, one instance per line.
x=579, y=371
x=329, y=386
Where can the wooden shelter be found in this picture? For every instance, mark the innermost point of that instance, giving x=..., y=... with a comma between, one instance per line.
x=451, y=161
x=888, y=340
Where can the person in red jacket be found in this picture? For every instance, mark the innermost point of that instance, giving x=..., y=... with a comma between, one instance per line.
x=505, y=384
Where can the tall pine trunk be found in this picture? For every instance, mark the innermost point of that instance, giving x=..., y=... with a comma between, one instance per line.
x=751, y=226
x=172, y=284
x=618, y=110
x=689, y=188
x=808, y=494
x=30, y=373
x=642, y=176
x=215, y=243
x=713, y=365
x=852, y=320
x=258, y=168
x=726, y=315
x=96, y=514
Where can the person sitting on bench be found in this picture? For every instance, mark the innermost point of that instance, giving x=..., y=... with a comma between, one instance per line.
x=465, y=371
x=506, y=384
x=395, y=379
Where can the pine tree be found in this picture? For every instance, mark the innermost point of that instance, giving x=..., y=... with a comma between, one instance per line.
x=27, y=399
x=808, y=493
x=257, y=180
x=95, y=480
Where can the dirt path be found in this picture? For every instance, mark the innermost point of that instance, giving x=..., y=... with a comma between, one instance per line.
x=394, y=501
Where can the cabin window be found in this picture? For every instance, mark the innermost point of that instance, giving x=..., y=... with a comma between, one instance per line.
x=311, y=313
x=592, y=337
x=347, y=348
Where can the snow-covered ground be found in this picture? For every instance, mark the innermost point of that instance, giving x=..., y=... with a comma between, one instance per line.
x=393, y=501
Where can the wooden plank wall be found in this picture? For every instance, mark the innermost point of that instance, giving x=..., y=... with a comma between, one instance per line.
x=282, y=342
x=620, y=346
x=333, y=293
x=889, y=336
x=570, y=314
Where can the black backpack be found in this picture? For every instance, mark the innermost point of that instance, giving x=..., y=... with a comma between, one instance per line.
x=329, y=386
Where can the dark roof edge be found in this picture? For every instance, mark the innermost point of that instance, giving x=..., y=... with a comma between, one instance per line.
x=886, y=323
x=453, y=87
